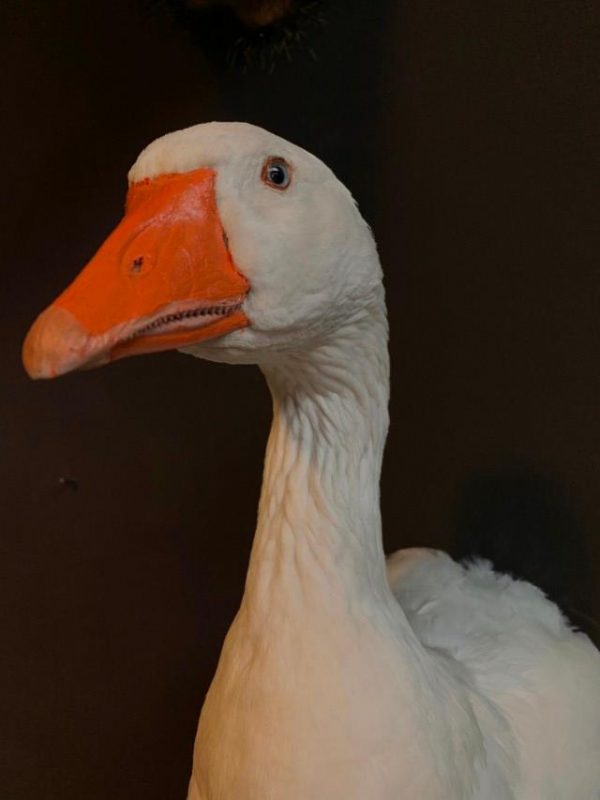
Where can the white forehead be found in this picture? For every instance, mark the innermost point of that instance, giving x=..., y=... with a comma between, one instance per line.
x=213, y=144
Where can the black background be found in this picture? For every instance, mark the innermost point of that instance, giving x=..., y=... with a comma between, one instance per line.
x=468, y=132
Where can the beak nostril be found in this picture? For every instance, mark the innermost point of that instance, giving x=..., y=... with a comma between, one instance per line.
x=137, y=264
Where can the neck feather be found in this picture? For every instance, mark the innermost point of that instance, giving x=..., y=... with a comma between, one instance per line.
x=319, y=524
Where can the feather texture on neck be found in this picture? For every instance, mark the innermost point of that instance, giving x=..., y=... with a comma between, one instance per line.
x=319, y=524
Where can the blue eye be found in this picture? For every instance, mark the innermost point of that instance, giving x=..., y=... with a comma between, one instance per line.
x=277, y=173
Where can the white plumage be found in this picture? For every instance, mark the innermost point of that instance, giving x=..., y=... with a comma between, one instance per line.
x=439, y=682
x=518, y=652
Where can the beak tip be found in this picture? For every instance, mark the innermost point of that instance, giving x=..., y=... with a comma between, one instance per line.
x=32, y=354
x=52, y=343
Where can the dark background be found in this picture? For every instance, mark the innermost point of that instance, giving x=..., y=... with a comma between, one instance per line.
x=468, y=132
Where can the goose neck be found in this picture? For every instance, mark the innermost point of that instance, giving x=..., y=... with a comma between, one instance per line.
x=319, y=524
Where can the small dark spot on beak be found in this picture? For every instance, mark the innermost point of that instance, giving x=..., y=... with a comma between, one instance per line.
x=137, y=264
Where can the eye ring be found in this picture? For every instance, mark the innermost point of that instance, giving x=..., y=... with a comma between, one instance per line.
x=276, y=173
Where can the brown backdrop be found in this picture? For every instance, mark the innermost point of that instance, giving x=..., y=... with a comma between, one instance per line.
x=468, y=132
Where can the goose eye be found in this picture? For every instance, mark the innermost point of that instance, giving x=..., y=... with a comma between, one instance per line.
x=277, y=173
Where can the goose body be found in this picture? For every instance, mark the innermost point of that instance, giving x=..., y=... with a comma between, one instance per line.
x=342, y=677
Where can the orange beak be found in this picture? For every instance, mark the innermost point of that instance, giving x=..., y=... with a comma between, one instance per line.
x=163, y=279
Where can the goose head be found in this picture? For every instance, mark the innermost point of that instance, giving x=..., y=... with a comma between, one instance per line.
x=236, y=245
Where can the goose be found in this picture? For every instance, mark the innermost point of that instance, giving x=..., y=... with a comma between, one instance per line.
x=343, y=676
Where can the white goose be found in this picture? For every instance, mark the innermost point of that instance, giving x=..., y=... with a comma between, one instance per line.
x=437, y=682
